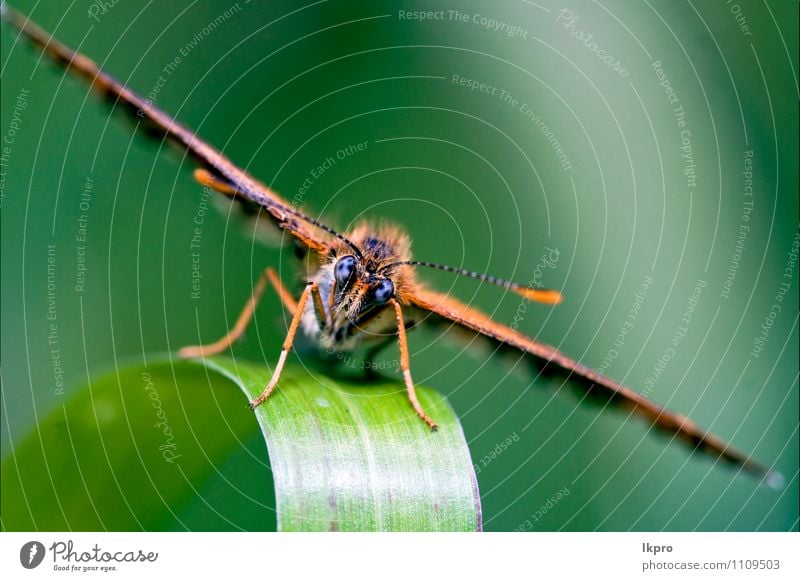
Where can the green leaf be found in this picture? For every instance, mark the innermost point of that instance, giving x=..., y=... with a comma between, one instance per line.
x=357, y=458
x=171, y=446
x=162, y=447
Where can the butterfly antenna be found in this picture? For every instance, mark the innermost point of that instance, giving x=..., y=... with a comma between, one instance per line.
x=321, y=226
x=232, y=190
x=549, y=296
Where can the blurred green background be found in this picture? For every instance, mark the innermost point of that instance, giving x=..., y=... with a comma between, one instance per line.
x=559, y=155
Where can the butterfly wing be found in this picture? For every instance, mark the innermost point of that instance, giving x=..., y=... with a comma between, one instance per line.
x=448, y=311
x=220, y=172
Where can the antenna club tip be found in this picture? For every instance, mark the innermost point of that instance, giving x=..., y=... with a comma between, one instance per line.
x=551, y=297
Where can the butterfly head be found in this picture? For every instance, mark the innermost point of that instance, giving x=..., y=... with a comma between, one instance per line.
x=365, y=283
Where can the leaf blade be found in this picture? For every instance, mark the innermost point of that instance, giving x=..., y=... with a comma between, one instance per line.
x=97, y=461
x=132, y=450
x=355, y=457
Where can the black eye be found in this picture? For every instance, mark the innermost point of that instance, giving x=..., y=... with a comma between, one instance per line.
x=344, y=269
x=383, y=291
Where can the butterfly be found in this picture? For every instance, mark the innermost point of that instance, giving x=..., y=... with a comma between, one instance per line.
x=362, y=285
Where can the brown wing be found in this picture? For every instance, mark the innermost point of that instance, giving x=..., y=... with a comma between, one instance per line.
x=229, y=178
x=452, y=310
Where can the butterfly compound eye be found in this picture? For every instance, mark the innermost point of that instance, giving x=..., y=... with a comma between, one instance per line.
x=384, y=291
x=344, y=270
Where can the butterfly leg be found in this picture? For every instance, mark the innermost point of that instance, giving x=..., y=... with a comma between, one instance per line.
x=287, y=345
x=269, y=275
x=406, y=367
x=323, y=316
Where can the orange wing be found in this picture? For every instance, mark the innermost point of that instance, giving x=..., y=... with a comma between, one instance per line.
x=452, y=310
x=224, y=175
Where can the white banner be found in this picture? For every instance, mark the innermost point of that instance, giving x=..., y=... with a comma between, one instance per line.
x=402, y=556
